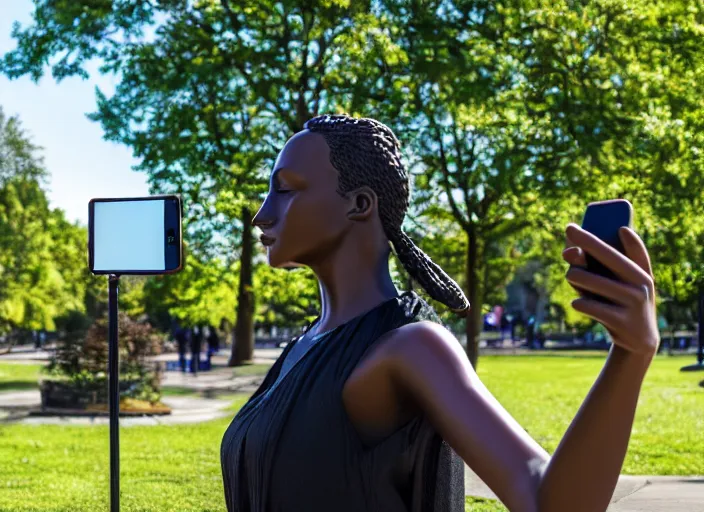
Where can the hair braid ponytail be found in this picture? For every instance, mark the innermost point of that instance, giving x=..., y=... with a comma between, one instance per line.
x=428, y=274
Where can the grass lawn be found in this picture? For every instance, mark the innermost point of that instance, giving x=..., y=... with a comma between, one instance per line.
x=544, y=393
x=19, y=376
x=251, y=369
x=60, y=469
x=177, y=391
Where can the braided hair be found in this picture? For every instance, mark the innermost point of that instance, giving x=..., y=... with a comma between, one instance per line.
x=366, y=152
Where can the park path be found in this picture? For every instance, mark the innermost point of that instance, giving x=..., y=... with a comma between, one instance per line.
x=15, y=407
x=632, y=494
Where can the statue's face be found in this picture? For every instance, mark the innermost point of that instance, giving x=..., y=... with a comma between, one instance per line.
x=303, y=218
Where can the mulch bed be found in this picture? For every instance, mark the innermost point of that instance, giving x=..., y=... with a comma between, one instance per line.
x=128, y=407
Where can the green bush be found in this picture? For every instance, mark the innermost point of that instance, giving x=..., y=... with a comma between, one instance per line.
x=81, y=358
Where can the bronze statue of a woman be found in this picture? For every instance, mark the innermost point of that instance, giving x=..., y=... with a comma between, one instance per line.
x=375, y=407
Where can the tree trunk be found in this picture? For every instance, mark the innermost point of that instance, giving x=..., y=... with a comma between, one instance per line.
x=243, y=334
x=474, y=317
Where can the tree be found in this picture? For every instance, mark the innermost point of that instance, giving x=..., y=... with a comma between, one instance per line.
x=286, y=298
x=519, y=114
x=440, y=237
x=43, y=269
x=210, y=95
x=19, y=157
x=201, y=294
x=472, y=140
x=522, y=116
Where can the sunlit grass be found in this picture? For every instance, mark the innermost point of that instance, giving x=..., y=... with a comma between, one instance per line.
x=544, y=394
x=19, y=376
x=251, y=369
x=164, y=468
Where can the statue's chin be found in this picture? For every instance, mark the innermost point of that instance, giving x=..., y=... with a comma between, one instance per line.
x=275, y=262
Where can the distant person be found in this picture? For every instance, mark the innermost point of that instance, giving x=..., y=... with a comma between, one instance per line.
x=180, y=335
x=213, y=342
x=196, y=343
x=505, y=327
x=530, y=333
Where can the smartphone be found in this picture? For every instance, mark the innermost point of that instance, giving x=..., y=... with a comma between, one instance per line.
x=135, y=235
x=603, y=219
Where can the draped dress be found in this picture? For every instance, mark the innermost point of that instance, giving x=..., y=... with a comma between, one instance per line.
x=293, y=448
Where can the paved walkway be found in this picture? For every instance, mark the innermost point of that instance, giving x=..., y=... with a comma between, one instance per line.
x=632, y=494
x=15, y=407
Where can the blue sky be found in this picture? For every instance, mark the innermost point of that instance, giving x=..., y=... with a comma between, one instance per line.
x=81, y=164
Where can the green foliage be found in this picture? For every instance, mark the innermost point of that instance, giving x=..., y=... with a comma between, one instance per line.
x=562, y=296
x=43, y=270
x=19, y=376
x=443, y=240
x=19, y=158
x=82, y=356
x=515, y=115
x=209, y=91
x=285, y=297
x=202, y=293
x=207, y=94
x=518, y=115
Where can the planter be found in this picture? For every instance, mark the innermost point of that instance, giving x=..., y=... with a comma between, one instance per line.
x=132, y=407
x=60, y=397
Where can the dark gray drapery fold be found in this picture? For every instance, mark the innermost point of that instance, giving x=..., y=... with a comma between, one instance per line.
x=292, y=447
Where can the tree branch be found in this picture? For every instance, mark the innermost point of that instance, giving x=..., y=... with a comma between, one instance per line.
x=498, y=232
x=464, y=168
x=464, y=222
x=319, y=67
x=286, y=38
x=234, y=23
x=301, y=107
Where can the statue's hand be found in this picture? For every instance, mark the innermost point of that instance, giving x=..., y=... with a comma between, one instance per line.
x=631, y=320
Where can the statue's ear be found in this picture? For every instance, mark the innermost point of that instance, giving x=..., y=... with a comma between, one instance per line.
x=363, y=204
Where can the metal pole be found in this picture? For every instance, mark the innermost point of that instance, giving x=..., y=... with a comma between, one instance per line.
x=114, y=394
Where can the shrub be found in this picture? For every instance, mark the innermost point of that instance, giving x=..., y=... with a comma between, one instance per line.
x=82, y=356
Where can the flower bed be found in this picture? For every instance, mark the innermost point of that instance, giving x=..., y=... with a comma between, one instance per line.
x=68, y=398
x=77, y=383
